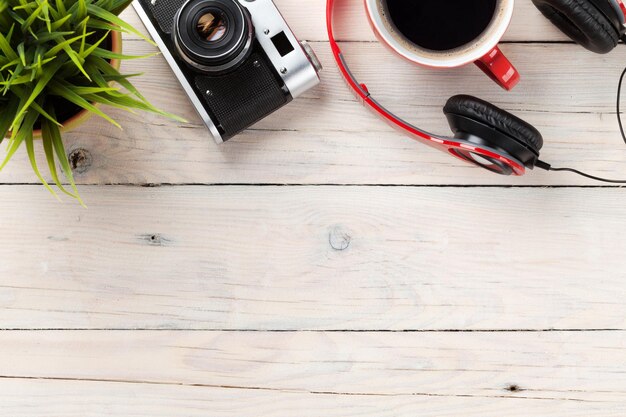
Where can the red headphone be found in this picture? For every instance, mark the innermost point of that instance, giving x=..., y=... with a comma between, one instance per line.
x=484, y=134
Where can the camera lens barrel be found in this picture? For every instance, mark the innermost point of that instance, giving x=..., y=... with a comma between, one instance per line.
x=213, y=35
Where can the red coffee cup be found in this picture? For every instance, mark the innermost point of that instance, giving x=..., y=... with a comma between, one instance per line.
x=482, y=49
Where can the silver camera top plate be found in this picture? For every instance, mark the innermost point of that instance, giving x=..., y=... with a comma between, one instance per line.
x=295, y=68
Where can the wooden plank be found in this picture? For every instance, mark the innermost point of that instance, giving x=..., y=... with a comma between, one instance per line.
x=314, y=258
x=326, y=137
x=312, y=374
x=81, y=399
x=308, y=21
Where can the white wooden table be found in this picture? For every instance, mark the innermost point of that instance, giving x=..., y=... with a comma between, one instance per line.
x=321, y=264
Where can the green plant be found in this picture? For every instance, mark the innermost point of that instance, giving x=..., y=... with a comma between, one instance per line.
x=53, y=55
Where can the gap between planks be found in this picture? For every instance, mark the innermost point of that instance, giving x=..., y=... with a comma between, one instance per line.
x=329, y=185
x=510, y=388
x=217, y=330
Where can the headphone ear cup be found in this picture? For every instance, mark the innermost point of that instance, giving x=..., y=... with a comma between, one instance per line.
x=483, y=124
x=583, y=22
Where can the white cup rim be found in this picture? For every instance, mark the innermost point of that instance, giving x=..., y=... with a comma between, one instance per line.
x=436, y=59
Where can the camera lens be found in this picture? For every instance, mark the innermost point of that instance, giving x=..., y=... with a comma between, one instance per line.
x=212, y=26
x=213, y=35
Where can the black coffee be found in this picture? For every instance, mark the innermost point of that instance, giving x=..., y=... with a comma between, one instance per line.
x=441, y=25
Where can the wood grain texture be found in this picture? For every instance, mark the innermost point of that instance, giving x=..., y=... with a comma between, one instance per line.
x=314, y=258
x=284, y=374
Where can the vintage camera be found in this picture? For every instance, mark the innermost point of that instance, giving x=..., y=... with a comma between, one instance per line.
x=237, y=59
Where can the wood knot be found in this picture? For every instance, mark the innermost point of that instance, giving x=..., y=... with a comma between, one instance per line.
x=338, y=239
x=513, y=388
x=155, y=239
x=80, y=160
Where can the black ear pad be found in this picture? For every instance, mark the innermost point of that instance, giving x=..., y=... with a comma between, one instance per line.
x=584, y=22
x=478, y=121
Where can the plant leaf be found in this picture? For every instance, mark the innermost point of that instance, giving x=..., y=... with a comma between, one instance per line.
x=113, y=19
x=19, y=135
x=63, y=91
x=47, y=139
x=30, y=149
x=57, y=143
x=41, y=84
x=6, y=117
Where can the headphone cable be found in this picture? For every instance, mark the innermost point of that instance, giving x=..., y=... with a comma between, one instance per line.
x=548, y=167
x=619, y=110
